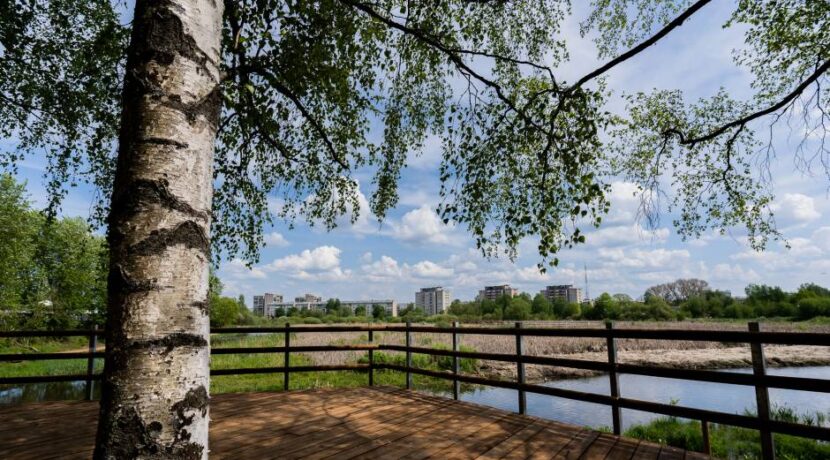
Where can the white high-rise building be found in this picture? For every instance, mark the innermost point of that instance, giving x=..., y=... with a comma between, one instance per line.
x=433, y=300
x=566, y=292
x=264, y=304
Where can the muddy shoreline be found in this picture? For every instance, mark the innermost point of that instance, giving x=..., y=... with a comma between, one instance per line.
x=705, y=358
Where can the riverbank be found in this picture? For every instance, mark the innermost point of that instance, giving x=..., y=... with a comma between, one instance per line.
x=692, y=358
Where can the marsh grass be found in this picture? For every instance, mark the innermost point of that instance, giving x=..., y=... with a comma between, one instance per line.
x=733, y=442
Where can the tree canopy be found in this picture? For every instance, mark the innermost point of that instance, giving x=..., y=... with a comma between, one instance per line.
x=52, y=272
x=314, y=92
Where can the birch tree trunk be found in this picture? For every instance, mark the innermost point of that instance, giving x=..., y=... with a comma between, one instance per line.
x=156, y=383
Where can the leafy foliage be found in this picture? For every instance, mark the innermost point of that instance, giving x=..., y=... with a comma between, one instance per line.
x=318, y=93
x=52, y=272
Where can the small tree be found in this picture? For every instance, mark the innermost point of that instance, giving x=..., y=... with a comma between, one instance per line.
x=519, y=309
x=541, y=305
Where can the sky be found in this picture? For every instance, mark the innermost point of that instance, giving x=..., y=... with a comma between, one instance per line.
x=412, y=248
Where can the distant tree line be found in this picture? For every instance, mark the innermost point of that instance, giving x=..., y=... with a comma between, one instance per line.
x=681, y=299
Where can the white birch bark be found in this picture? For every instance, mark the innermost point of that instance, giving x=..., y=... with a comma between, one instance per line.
x=156, y=385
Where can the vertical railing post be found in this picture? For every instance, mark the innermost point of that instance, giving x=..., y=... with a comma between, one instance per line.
x=408, y=355
x=759, y=370
x=371, y=358
x=707, y=445
x=287, y=358
x=455, y=382
x=611, y=343
x=520, y=369
x=90, y=365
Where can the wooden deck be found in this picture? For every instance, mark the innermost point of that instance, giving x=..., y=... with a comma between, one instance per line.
x=364, y=423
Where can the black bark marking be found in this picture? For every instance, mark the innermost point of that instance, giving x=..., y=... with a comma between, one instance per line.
x=169, y=342
x=203, y=307
x=163, y=141
x=164, y=38
x=139, y=440
x=188, y=233
x=154, y=428
x=120, y=281
x=142, y=192
x=207, y=107
x=195, y=400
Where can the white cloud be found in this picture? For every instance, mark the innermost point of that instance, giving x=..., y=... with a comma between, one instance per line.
x=821, y=238
x=427, y=269
x=236, y=269
x=384, y=269
x=276, y=239
x=335, y=274
x=796, y=207
x=625, y=235
x=663, y=259
x=625, y=202
x=422, y=225
x=732, y=273
x=318, y=259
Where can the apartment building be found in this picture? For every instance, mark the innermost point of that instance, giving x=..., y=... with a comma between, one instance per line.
x=494, y=292
x=566, y=292
x=264, y=304
x=433, y=300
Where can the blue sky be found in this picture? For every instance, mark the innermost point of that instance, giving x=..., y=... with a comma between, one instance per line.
x=413, y=249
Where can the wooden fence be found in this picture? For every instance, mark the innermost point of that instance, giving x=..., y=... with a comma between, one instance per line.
x=759, y=379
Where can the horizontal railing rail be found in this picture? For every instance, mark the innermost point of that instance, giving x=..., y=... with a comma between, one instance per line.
x=758, y=379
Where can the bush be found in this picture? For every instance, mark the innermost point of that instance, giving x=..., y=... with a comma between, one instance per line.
x=430, y=362
x=814, y=306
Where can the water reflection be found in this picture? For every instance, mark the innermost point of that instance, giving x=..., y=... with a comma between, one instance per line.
x=52, y=391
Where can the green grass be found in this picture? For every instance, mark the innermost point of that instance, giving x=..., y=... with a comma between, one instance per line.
x=241, y=383
x=732, y=442
x=316, y=379
x=49, y=367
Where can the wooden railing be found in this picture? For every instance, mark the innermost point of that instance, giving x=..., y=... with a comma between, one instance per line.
x=759, y=379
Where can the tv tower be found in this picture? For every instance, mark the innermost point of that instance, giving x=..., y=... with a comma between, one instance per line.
x=587, y=294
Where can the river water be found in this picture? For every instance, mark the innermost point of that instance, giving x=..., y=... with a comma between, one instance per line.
x=703, y=395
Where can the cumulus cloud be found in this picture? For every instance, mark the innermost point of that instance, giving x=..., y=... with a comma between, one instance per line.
x=236, y=269
x=422, y=226
x=427, y=269
x=384, y=269
x=732, y=273
x=661, y=258
x=275, y=239
x=625, y=202
x=318, y=259
x=796, y=208
x=625, y=235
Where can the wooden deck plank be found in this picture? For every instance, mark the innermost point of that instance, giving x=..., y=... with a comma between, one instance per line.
x=624, y=449
x=546, y=444
x=511, y=443
x=647, y=451
x=369, y=448
x=360, y=423
x=600, y=448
